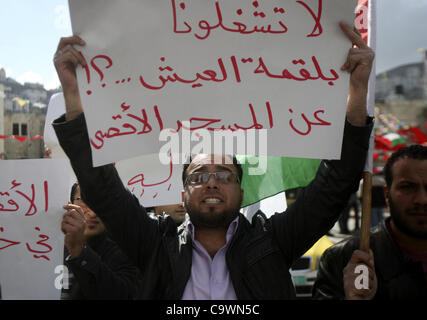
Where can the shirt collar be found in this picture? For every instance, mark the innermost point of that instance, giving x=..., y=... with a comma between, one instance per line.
x=232, y=228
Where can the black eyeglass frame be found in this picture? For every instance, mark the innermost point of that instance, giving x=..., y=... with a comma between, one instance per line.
x=208, y=174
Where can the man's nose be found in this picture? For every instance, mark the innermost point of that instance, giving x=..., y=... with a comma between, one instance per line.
x=212, y=183
x=421, y=196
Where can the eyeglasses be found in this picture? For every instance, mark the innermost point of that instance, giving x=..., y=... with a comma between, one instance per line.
x=198, y=178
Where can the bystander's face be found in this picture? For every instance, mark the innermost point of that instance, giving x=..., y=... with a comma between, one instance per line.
x=214, y=203
x=176, y=211
x=407, y=197
x=94, y=225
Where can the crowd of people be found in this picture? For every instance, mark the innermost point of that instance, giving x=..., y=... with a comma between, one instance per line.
x=205, y=249
x=396, y=262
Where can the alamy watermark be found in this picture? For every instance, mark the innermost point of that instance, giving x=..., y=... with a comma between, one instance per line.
x=362, y=280
x=179, y=146
x=62, y=281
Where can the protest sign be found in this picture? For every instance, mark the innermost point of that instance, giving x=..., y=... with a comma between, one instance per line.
x=32, y=195
x=152, y=182
x=55, y=109
x=223, y=66
x=269, y=206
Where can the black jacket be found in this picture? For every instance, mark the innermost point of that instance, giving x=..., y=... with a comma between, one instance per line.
x=399, y=277
x=102, y=271
x=260, y=254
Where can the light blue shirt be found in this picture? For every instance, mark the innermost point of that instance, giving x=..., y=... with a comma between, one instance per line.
x=210, y=279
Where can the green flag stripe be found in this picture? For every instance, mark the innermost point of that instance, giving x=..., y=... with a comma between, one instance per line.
x=281, y=174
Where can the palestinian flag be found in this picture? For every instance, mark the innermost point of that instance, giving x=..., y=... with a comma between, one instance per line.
x=390, y=142
x=414, y=134
x=280, y=174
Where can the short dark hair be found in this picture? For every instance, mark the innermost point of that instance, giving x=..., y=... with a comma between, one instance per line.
x=235, y=162
x=416, y=151
x=73, y=191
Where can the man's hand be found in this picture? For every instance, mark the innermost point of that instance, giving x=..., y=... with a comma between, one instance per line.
x=73, y=226
x=353, y=285
x=66, y=60
x=358, y=64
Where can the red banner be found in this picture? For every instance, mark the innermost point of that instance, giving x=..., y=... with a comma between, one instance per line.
x=22, y=138
x=19, y=138
x=414, y=134
x=37, y=137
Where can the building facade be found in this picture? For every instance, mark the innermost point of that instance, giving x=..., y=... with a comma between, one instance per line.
x=402, y=91
x=22, y=116
x=24, y=125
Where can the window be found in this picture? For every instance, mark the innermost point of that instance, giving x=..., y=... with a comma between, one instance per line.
x=15, y=129
x=24, y=129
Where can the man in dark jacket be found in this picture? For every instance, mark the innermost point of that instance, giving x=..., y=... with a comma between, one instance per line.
x=98, y=268
x=217, y=253
x=397, y=263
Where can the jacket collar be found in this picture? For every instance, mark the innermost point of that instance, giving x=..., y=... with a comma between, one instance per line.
x=394, y=261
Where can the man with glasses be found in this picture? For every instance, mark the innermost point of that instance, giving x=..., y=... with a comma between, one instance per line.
x=217, y=253
x=99, y=269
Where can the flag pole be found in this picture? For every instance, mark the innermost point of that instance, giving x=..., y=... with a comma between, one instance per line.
x=367, y=174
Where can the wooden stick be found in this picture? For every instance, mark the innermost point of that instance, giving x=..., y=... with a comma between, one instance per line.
x=366, y=211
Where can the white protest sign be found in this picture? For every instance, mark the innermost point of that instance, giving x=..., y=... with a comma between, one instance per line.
x=224, y=66
x=32, y=193
x=269, y=206
x=152, y=182
x=55, y=109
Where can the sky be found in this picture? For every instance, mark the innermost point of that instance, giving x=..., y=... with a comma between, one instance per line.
x=29, y=34
x=30, y=31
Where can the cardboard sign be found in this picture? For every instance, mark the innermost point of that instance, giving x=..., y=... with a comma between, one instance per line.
x=32, y=195
x=153, y=183
x=55, y=109
x=225, y=67
x=269, y=206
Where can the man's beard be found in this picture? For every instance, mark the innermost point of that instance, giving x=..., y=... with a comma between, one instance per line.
x=402, y=225
x=213, y=220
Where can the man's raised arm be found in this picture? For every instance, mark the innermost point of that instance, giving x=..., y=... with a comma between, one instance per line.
x=318, y=206
x=66, y=60
x=358, y=64
x=101, y=187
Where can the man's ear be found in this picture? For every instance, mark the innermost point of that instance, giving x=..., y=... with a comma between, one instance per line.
x=387, y=195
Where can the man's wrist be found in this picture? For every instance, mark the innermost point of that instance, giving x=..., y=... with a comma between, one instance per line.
x=75, y=252
x=357, y=118
x=357, y=109
x=73, y=106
